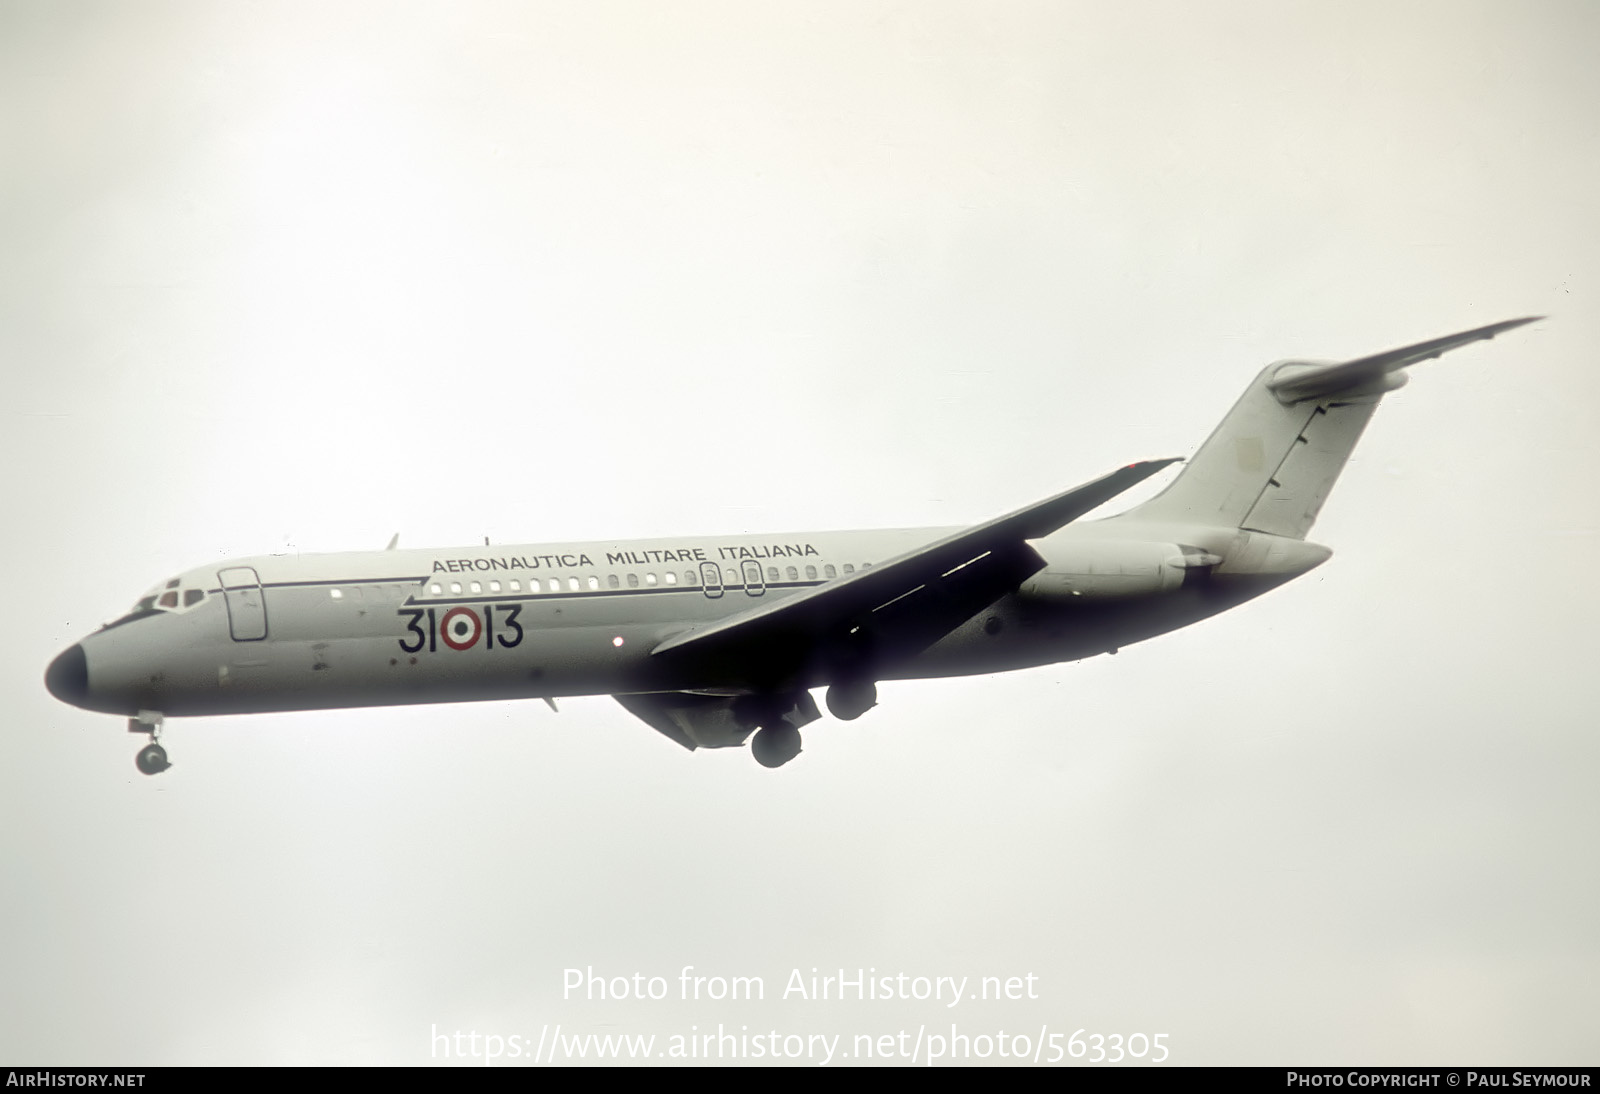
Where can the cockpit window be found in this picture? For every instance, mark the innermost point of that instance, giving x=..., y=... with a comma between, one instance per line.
x=164, y=597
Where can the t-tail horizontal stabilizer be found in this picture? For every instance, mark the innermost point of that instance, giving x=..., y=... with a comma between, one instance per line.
x=1294, y=381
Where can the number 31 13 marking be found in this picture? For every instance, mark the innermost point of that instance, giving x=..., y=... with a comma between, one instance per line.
x=462, y=628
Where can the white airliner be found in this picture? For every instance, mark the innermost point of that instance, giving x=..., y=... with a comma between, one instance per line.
x=711, y=640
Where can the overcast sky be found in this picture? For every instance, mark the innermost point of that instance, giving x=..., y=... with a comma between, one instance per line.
x=294, y=277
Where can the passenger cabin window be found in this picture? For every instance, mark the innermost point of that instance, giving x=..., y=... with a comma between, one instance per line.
x=811, y=573
x=689, y=578
x=849, y=567
x=649, y=579
x=494, y=586
x=593, y=583
x=829, y=571
x=670, y=578
x=772, y=575
x=633, y=581
x=794, y=574
x=435, y=589
x=613, y=581
x=516, y=586
x=455, y=587
x=476, y=588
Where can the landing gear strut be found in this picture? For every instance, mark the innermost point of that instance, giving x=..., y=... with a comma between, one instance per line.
x=152, y=758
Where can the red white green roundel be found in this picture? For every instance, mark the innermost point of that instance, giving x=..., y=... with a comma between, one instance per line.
x=460, y=628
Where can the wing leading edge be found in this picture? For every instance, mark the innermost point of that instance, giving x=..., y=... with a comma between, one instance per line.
x=913, y=599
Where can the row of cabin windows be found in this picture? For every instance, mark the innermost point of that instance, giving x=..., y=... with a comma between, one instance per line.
x=733, y=578
x=691, y=578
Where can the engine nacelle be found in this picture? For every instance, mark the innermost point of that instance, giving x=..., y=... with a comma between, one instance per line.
x=1084, y=570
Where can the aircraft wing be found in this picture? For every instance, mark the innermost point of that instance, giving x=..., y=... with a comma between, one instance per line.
x=902, y=605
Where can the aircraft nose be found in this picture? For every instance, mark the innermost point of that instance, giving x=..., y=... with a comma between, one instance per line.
x=67, y=678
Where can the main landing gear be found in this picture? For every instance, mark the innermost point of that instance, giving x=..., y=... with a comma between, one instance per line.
x=776, y=744
x=849, y=700
x=780, y=717
x=778, y=740
x=152, y=758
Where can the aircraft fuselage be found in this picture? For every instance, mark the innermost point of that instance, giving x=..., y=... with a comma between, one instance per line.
x=301, y=632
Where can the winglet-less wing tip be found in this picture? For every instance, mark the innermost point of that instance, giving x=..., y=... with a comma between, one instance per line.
x=1509, y=323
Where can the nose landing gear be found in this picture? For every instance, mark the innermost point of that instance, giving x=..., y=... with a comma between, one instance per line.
x=152, y=758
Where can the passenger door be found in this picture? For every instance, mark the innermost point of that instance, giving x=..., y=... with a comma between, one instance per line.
x=247, y=604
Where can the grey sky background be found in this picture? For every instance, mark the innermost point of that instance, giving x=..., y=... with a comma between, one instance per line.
x=293, y=277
